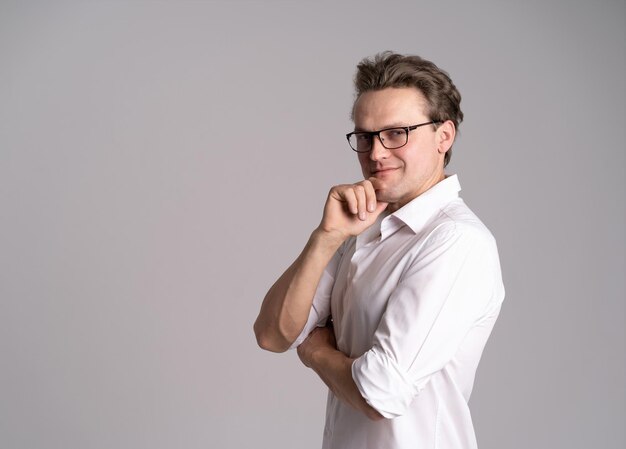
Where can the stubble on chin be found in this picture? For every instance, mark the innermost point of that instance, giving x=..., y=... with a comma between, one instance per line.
x=384, y=195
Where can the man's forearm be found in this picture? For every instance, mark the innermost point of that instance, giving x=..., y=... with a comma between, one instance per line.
x=335, y=369
x=286, y=306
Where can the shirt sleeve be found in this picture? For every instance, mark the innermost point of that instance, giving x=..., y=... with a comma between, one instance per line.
x=320, y=307
x=453, y=283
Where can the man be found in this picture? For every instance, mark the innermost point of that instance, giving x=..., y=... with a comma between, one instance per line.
x=410, y=276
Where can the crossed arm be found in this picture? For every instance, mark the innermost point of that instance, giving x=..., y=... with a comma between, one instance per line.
x=319, y=353
x=349, y=210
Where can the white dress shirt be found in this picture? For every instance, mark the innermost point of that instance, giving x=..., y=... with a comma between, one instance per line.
x=413, y=299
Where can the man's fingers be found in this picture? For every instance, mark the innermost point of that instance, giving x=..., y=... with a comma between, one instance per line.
x=354, y=197
x=370, y=195
x=359, y=192
x=349, y=196
x=380, y=206
x=355, y=201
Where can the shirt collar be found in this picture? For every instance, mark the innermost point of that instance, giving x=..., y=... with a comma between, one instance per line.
x=417, y=212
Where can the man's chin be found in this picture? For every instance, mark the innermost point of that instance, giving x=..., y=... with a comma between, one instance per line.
x=385, y=196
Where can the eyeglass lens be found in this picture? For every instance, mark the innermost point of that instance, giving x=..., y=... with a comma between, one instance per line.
x=390, y=138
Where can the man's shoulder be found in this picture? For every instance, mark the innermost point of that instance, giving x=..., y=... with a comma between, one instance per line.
x=457, y=220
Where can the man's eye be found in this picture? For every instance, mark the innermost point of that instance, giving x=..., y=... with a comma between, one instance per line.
x=396, y=132
x=362, y=137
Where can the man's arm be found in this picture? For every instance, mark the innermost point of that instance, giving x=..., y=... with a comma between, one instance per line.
x=286, y=306
x=349, y=210
x=319, y=353
x=457, y=287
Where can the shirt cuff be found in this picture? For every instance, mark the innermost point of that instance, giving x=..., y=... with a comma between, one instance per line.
x=383, y=384
x=316, y=319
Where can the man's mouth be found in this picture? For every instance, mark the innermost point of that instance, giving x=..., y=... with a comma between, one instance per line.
x=383, y=171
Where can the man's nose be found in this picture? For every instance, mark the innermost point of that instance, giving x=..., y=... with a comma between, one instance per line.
x=378, y=150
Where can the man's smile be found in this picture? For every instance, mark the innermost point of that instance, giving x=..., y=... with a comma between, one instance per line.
x=383, y=171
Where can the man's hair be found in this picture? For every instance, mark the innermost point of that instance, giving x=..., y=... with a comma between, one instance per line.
x=388, y=69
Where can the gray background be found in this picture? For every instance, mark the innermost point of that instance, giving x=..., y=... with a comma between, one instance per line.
x=162, y=162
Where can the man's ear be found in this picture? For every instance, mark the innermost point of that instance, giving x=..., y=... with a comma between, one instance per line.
x=445, y=136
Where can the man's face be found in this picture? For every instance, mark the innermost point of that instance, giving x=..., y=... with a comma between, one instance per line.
x=404, y=173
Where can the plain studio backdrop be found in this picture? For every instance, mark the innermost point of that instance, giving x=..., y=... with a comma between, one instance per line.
x=162, y=162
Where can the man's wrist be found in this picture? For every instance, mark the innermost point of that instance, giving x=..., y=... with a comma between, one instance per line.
x=327, y=240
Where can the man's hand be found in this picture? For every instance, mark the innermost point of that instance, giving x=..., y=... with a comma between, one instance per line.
x=319, y=352
x=319, y=338
x=351, y=208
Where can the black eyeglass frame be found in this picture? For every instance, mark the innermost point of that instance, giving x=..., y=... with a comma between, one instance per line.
x=372, y=134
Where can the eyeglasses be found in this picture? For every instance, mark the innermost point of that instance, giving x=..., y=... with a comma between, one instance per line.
x=390, y=138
